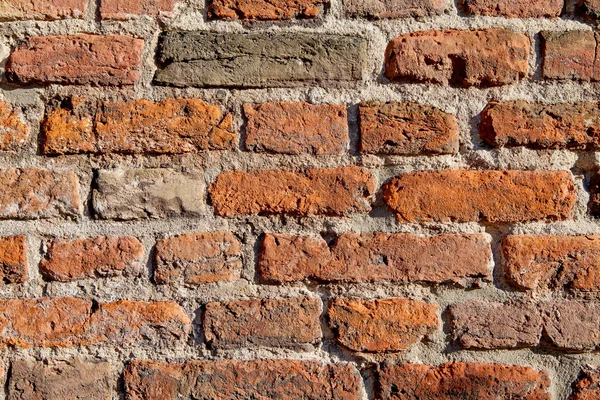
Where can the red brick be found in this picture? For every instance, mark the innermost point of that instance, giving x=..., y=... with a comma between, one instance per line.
x=237, y=380
x=373, y=257
x=539, y=126
x=334, y=192
x=102, y=256
x=491, y=196
x=80, y=59
x=394, y=8
x=480, y=58
x=123, y=10
x=197, y=258
x=406, y=129
x=296, y=128
x=586, y=9
x=571, y=325
x=552, y=262
x=462, y=381
x=570, y=55
x=11, y=10
x=381, y=325
x=36, y=193
x=14, y=133
x=289, y=322
x=264, y=9
x=13, y=259
x=512, y=8
x=587, y=385
x=594, y=189
x=71, y=322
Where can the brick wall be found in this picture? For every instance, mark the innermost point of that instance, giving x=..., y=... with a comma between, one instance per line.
x=299, y=199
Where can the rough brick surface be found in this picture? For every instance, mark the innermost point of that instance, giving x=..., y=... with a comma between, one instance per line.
x=586, y=9
x=570, y=55
x=587, y=385
x=237, y=380
x=264, y=9
x=512, y=8
x=286, y=322
x=394, y=8
x=483, y=58
x=35, y=193
x=61, y=379
x=406, y=129
x=11, y=10
x=296, y=128
x=148, y=193
x=572, y=325
x=373, y=257
x=492, y=196
x=13, y=259
x=14, y=133
x=80, y=59
x=337, y=192
x=264, y=59
x=381, y=325
x=197, y=258
x=102, y=256
x=462, y=381
x=538, y=126
x=123, y=10
x=594, y=188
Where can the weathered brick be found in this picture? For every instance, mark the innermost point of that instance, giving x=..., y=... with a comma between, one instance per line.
x=197, y=258
x=266, y=59
x=11, y=10
x=79, y=59
x=36, y=193
x=372, y=257
x=490, y=325
x=594, y=188
x=539, y=126
x=462, y=381
x=264, y=9
x=286, y=322
x=394, y=8
x=570, y=55
x=148, y=193
x=70, y=322
x=381, y=325
x=492, y=196
x=13, y=259
x=102, y=256
x=124, y=10
x=482, y=58
x=552, y=262
x=296, y=128
x=512, y=8
x=406, y=129
x=237, y=380
x=61, y=379
x=13, y=131
x=68, y=126
x=335, y=192
x=587, y=385
x=586, y=9
x=571, y=325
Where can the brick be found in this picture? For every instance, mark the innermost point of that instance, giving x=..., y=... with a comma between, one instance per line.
x=81, y=59
x=586, y=9
x=296, y=128
x=36, y=193
x=552, y=262
x=374, y=257
x=570, y=55
x=286, y=322
x=406, y=129
x=394, y=8
x=61, y=379
x=13, y=259
x=11, y=10
x=270, y=59
x=148, y=193
x=594, y=188
x=482, y=58
x=381, y=325
x=72, y=322
x=462, y=381
x=539, y=126
x=124, y=10
x=587, y=385
x=98, y=257
x=512, y=8
x=237, y=380
x=264, y=9
x=490, y=196
x=197, y=258
x=335, y=192
x=490, y=325
x=14, y=133
x=571, y=325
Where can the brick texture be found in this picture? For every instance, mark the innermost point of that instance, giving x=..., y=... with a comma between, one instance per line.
x=264, y=10
x=123, y=10
x=587, y=386
x=13, y=259
x=394, y=8
x=14, y=133
x=11, y=10
x=586, y=9
x=512, y=8
x=570, y=55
